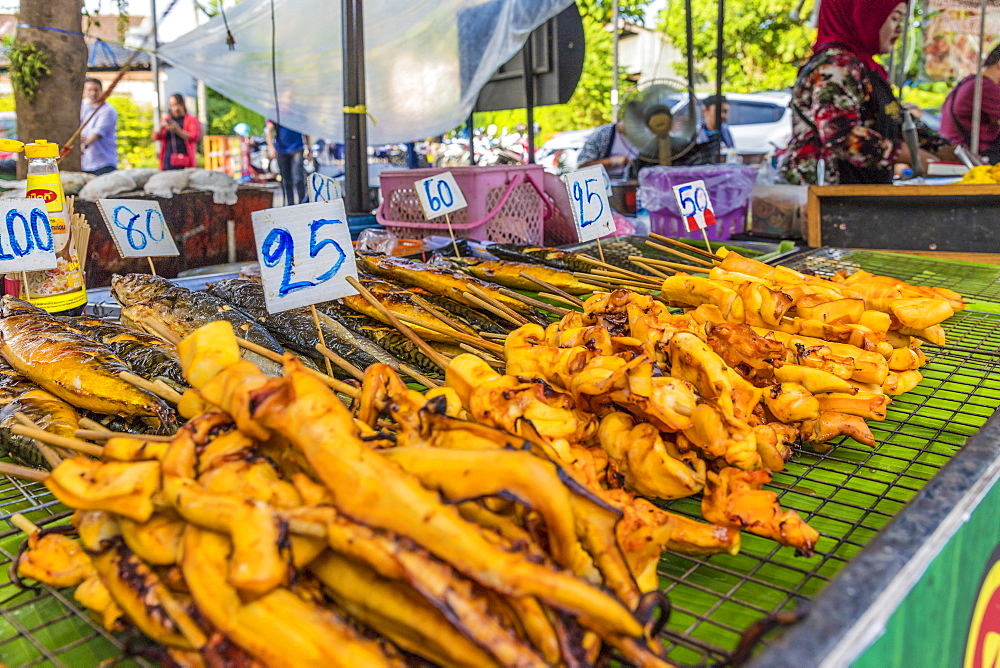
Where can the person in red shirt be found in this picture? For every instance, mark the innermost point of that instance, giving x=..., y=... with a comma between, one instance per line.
x=956, y=114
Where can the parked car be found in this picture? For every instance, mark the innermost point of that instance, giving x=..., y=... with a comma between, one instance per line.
x=760, y=122
x=558, y=154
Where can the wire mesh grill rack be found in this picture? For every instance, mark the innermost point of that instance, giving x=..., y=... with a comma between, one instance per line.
x=848, y=494
x=978, y=282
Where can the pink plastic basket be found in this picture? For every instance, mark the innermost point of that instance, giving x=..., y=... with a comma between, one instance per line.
x=507, y=204
x=668, y=224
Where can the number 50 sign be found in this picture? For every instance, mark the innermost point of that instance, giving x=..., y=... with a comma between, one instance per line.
x=695, y=205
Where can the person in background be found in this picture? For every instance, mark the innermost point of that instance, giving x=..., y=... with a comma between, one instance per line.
x=178, y=136
x=287, y=147
x=708, y=130
x=608, y=146
x=99, y=137
x=847, y=122
x=956, y=114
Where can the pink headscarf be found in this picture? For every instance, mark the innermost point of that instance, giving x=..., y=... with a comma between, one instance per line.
x=855, y=24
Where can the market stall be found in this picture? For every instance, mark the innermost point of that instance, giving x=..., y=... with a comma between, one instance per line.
x=883, y=511
x=957, y=218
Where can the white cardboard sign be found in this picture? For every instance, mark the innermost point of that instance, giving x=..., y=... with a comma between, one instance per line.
x=26, y=242
x=588, y=197
x=439, y=195
x=305, y=254
x=695, y=205
x=137, y=227
x=322, y=188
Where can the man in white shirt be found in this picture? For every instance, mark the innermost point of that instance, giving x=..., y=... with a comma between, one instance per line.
x=99, y=138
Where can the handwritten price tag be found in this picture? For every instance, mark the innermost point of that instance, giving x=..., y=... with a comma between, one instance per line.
x=26, y=242
x=138, y=227
x=305, y=252
x=322, y=188
x=439, y=195
x=588, y=196
x=695, y=205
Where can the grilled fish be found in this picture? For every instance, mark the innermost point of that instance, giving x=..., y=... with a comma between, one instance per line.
x=388, y=338
x=508, y=274
x=399, y=301
x=294, y=327
x=181, y=311
x=74, y=368
x=47, y=412
x=148, y=356
x=465, y=314
x=550, y=257
x=451, y=284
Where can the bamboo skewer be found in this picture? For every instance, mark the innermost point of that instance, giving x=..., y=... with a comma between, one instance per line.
x=331, y=356
x=613, y=283
x=622, y=278
x=687, y=268
x=677, y=253
x=162, y=332
x=23, y=472
x=639, y=261
x=434, y=355
x=164, y=391
x=490, y=299
x=557, y=298
x=458, y=336
x=92, y=425
x=434, y=311
x=688, y=247
x=24, y=524
x=419, y=377
x=338, y=385
x=322, y=342
x=103, y=435
x=558, y=310
x=611, y=267
x=61, y=441
x=486, y=306
x=551, y=289
x=48, y=454
x=489, y=359
x=494, y=337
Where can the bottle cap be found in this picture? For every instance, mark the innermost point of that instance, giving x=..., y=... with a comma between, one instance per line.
x=41, y=149
x=11, y=145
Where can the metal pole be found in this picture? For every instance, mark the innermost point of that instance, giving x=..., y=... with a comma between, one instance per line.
x=689, y=24
x=357, y=199
x=529, y=95
x=155, y=62
x=977, y=99
x=615, y=14
x=719, y=48
x=472, y=144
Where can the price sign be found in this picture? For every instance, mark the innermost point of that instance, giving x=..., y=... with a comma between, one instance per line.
x=607, y=181
x=321, y=188
x=137, y=227
x=695, y=205
x=439, y=195
x=26, y=242
x=305, y=252
x=589, y=200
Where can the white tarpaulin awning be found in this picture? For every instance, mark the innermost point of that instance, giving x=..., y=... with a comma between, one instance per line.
x=425, y=60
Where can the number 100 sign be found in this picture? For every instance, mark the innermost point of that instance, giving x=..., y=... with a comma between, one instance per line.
x=26, y=242
x=305, y=252
x=588, y=197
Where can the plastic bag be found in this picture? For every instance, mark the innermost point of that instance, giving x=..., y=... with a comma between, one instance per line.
x=165, y=184
x=73, y=182
x=108, y=185
x=729, y=186
x=376, y=240
x=140, y=175
x=222, y=187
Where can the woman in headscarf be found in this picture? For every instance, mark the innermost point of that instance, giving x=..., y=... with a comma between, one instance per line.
x=847, y=123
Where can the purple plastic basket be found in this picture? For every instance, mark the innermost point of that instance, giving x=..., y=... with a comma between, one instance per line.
x=729, y=186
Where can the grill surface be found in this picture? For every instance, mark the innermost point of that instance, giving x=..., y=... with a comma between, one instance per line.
x=848, y=494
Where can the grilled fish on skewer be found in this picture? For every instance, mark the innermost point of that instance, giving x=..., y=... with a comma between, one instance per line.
x=399, y=301
x=294, y=327
x=451, y=284
x=508, y=274
x=75, y=368
x=463, y=313
x=181, y=311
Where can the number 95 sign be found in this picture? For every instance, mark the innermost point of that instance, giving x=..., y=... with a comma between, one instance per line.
x=588, y=196
x=305, y=252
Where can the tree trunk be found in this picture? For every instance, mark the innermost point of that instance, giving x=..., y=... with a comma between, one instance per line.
x=54, y=113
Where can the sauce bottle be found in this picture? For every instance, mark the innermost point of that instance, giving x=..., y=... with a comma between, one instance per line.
x=61, y=290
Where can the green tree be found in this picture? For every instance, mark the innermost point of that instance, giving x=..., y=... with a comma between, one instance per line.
x=224, y=114
x=763, y=46
x=135, y=129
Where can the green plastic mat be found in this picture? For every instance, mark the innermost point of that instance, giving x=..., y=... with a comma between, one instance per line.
x=848, y=494
x=976, y=282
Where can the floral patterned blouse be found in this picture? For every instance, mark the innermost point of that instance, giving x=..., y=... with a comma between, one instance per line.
x=836, y=95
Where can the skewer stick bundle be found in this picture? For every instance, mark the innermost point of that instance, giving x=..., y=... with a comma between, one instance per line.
x=333, y=383
x=511, y=313
x=687, y=247
x=333, y=357
x=551, y=289
x=558, y=310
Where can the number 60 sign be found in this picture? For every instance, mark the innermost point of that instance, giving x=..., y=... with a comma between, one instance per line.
x=439, y=195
